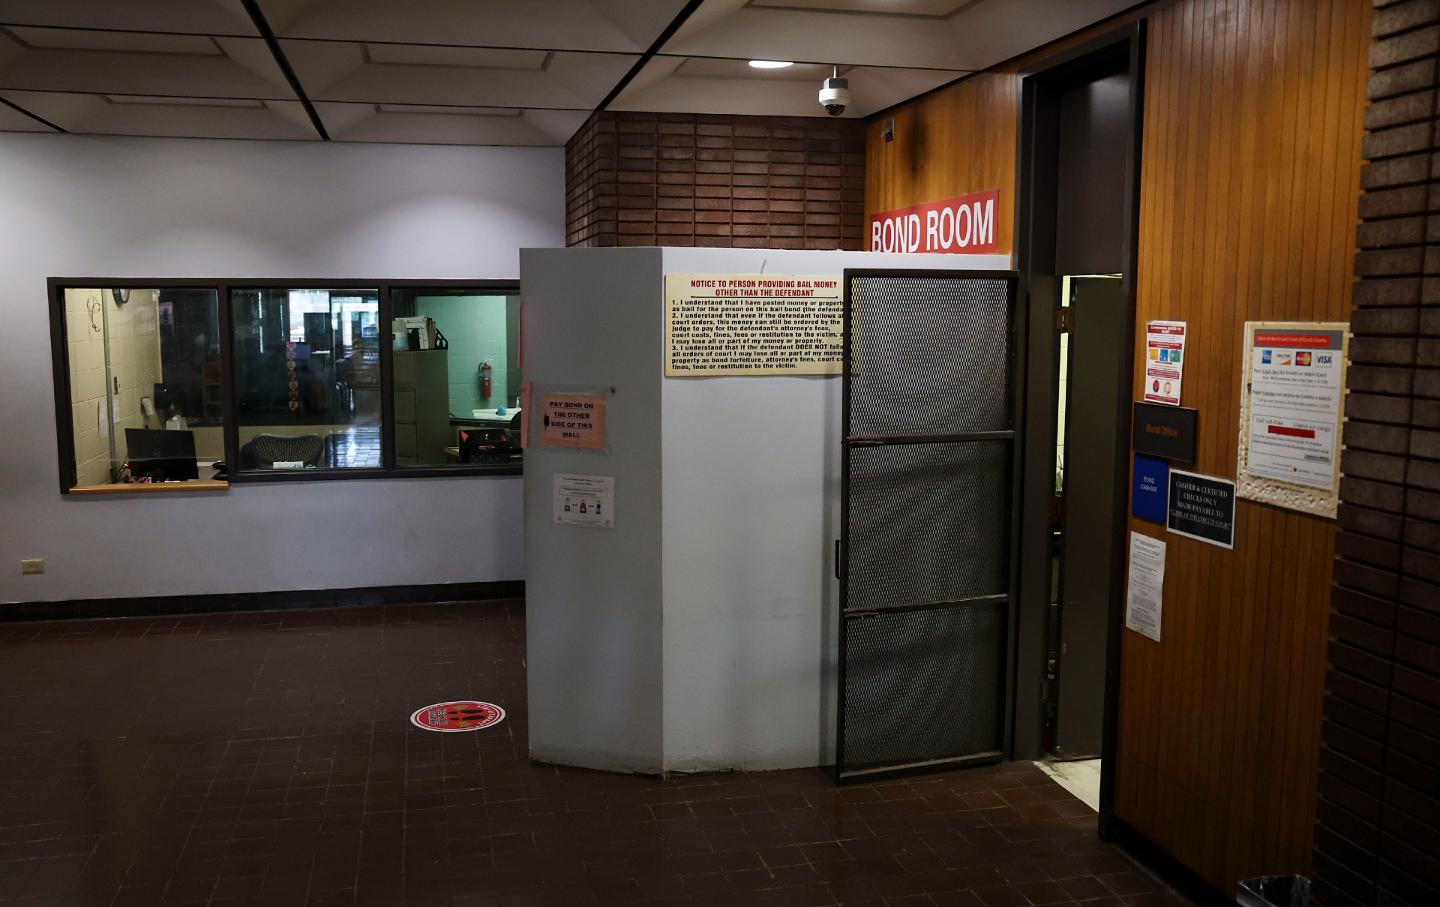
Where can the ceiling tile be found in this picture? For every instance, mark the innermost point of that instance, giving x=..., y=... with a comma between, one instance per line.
x=449, y=125
x=197, y=17
x=133, y=42
x=974, y=36
x=340, y=71
x=934, y=8
x=440, y=55
x=621, y=26
x=129, y=64
x=691, y=85
x=12, y=120
x=179, y=117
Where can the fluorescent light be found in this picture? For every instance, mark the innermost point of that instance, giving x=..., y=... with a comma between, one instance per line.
x=770, y=64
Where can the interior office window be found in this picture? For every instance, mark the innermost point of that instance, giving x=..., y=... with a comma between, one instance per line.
x=307, y=378
x=456, y=368
x=146, y=393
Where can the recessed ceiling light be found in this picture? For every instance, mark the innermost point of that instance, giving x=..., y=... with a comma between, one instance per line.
x=770, y=64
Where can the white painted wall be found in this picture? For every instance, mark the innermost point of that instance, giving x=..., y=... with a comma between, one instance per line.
x=593, y=596
x=124, y=207
x=714, y=595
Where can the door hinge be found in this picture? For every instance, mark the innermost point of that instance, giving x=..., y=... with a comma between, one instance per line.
x=1063, y=321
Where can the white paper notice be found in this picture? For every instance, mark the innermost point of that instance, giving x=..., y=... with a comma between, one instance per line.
x=585, y=501
x=1147, y=585
x=1297, y=388
x=1164, y=361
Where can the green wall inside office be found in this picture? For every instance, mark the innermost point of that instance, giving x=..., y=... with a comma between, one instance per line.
x=478, y=328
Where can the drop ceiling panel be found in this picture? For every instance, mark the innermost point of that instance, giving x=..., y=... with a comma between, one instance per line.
x=679, y=85
x=933, y=8
x=134, y=42
x=188, y=66
x=714, y=68
x=188, y=118
x=449, y=125
x=975, y=36
x=439, y=55
x=200, y=17
x=12, y=120
x=340, y=71
x=622, y=26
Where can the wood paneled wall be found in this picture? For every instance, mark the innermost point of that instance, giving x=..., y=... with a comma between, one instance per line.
x=1249, y=181
x=950, y=143
x=1250, y=176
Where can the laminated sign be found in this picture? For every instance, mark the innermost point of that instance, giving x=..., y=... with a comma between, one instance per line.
x=1292, y=414
x=1201, y=507
x=572, y=420
x=1164, y=361
x=753, y=324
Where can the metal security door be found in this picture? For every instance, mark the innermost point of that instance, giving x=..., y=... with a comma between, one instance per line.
x=928, y=498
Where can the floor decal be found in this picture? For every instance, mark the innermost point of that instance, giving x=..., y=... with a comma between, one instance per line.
x=461, y=715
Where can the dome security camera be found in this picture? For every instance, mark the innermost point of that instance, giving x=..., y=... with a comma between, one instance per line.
x=835, y=94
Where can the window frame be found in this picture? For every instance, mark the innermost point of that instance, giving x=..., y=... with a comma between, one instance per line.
x=60, y=365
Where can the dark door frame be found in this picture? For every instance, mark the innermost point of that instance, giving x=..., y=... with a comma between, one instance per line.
x=1039, y=288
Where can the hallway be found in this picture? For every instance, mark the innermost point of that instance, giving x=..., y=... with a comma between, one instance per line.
x=266, y=758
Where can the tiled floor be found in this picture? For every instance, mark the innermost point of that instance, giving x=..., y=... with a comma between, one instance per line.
x=266, y=758
x=1081, y=778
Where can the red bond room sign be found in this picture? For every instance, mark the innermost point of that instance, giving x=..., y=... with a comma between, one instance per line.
x=963, y=224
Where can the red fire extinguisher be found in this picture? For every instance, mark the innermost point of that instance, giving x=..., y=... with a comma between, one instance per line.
x=485, y=380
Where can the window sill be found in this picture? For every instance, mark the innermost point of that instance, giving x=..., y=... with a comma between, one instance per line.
x=153, y=487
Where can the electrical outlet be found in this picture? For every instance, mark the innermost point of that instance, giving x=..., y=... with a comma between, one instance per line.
x=32, y=565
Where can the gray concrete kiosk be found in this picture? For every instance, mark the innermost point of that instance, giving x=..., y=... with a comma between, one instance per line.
x=698, y=634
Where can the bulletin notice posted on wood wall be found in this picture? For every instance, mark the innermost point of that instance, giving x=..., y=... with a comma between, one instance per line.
x=752, y=324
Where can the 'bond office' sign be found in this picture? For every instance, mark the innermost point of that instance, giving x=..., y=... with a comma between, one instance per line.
x=963, y=224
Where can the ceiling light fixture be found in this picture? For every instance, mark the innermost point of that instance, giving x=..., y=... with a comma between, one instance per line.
x=770, y=64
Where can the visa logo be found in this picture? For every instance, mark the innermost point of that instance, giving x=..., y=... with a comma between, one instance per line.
x=1324, y=358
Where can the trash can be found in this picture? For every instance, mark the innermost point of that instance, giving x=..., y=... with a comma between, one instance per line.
x=1274, y=891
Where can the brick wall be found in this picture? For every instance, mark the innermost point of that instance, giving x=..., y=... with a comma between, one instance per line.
x=1376, y=837
x=645, y=179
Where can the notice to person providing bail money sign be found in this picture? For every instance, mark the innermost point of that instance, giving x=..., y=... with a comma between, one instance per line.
x=752, y=324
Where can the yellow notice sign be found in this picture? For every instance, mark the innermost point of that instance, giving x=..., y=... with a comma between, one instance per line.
x=752, y=324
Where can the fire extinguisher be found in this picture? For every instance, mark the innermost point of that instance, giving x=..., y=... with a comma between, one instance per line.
x=485, y=380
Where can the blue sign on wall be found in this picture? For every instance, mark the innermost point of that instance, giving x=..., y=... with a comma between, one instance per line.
x=1152, y=483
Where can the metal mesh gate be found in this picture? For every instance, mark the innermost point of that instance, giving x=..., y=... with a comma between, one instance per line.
x=928, y=497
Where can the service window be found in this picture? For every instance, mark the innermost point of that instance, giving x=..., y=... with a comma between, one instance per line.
x=456, y=377
x=142, y=368
x=307, y=378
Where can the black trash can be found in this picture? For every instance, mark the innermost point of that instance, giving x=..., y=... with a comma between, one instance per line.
x=1274, y=891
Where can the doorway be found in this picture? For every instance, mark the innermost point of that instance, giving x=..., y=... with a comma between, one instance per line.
x=1076, y=248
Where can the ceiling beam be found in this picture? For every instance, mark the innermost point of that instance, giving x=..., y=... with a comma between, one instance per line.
x=650, y=52
x=268, y=35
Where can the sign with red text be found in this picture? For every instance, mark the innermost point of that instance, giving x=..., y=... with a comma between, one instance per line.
x=753, y=324
x=1292, y=407
x=962, y=224
x=1164, y=361
x=572, y=420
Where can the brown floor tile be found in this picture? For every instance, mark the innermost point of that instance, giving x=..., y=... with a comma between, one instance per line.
x=266, y=758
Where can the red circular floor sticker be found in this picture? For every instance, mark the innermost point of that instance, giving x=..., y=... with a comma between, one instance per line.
x=461, y=715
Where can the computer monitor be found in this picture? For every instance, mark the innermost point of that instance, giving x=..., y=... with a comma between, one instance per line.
x=164, y=456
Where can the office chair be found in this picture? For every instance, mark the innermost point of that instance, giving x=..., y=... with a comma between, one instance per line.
x=263, y=451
